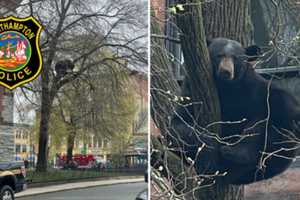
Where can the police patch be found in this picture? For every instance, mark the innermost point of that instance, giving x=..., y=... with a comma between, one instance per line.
x=20, y=55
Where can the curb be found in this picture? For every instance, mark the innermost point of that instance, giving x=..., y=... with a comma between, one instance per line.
x=51, y=183
x=75, y=186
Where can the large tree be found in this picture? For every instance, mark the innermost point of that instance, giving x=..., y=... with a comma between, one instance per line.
x=101, y=105
x=80, y=31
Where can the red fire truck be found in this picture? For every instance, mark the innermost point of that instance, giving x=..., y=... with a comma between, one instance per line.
x=78, y=161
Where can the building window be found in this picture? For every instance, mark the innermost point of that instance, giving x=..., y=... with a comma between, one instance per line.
x=18, y=148
x=24, y=135
x=95, y=141
x=24, y=148
x=18, y=134
x=173, y=47
x=105, y=144
x=32, y=148
x=100, y=143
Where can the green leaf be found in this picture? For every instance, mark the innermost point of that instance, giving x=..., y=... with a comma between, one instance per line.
x=172, y=10
x=180, y=7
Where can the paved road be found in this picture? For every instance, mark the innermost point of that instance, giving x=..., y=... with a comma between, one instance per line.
x=112, y=192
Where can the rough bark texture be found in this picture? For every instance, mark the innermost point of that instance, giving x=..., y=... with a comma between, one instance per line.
x=47, y=99
x=196, y=58
x=48, y=94
x=197, y=62
x=70, y=145
x=44, y=124
x=163, y=88
x=162, y=81
x=228, y=18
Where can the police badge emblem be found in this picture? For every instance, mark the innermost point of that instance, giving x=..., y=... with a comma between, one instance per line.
x=20, y=55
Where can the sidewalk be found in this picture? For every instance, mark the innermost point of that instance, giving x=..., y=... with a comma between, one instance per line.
x=285, y=186
x=77, y=185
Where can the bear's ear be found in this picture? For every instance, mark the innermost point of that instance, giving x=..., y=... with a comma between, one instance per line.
x=253, y=52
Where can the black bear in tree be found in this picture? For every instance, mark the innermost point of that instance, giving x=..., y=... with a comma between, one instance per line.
x=259, y=119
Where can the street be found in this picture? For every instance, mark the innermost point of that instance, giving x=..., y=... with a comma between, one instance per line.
x=111, y=192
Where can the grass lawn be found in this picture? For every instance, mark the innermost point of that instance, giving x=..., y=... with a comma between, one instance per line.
x=53, y=175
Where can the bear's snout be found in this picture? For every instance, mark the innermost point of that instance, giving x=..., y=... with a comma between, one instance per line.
x=225, y=75
x=226, y=68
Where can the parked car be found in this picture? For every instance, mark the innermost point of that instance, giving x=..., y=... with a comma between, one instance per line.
x=143, y=195
x=12, y=179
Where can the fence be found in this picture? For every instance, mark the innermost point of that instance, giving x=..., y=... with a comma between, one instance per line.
x=66, y=175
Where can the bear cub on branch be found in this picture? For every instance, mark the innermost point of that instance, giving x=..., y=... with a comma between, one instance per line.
x=258, y=118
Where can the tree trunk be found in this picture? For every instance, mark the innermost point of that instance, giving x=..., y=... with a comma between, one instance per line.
x=70, y=146
x=44, y=123
x=71, y=141
x=163, y=84
x=221, y=19
x=46, y=105
x=197, y=62
x=163, y=88
x=230, y=19
x=48, y=94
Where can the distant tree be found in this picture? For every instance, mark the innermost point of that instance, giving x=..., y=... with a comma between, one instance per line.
x=102, y=104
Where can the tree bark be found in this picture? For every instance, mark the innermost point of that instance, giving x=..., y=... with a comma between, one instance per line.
x=196, y=59
x=71, y=140
x=47, y=99
x=220, y=19
x=163, y=84
x=230, y=19
x=70, y=145
x=163, y=88
x=44, y=123
x=48, y=95
x=197, y=62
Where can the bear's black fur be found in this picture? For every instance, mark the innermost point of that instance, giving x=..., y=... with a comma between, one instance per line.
x=258, y=119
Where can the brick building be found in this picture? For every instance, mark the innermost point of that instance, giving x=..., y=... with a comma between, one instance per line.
x=161, y=15
x=7, y=101
x=136, y=154
x=24, y=142
x=6, y=125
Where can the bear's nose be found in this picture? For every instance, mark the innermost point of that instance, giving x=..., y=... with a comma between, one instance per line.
x=226, y=68
x=226, y=75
